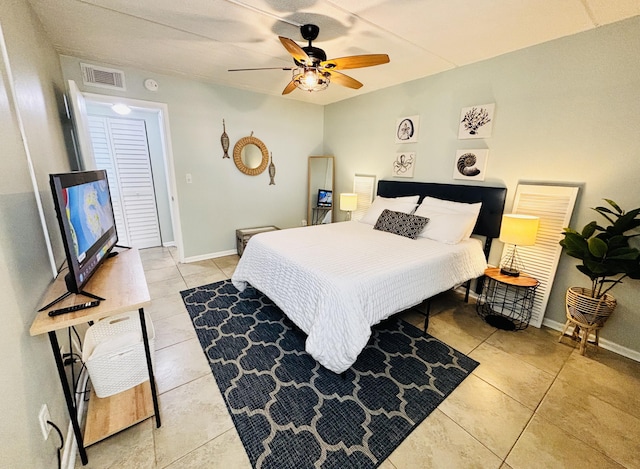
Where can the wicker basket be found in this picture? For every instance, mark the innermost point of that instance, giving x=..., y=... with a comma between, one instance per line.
x=114, y=353
x=586, y=311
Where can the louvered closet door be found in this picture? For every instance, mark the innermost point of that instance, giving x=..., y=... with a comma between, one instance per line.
x=554, y=206
x=123, y=151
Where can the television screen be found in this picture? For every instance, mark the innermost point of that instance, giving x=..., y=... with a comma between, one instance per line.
x=85, y=215
x=325, y=198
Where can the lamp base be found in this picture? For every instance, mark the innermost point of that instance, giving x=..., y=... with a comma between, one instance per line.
x=509, y=272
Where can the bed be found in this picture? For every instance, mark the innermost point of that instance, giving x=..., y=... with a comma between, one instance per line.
x=335, y=281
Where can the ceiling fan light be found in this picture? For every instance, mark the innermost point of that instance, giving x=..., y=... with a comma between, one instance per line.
x=310, y=79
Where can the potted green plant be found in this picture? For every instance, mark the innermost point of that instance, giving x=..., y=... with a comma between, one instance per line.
x=607, y=258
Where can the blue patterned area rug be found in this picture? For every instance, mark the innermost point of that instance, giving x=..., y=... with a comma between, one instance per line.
x=292, y=413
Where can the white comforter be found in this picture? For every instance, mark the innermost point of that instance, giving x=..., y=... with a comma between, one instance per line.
x=335, y=281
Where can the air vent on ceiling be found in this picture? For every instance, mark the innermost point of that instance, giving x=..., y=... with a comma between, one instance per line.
x=102, y=77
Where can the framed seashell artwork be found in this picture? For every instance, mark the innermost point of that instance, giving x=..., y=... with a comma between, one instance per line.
x=470, y=164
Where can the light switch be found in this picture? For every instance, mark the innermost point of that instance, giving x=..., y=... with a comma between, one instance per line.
x=189, y=178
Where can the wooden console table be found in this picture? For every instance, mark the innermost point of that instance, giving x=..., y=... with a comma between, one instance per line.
x=121, y=281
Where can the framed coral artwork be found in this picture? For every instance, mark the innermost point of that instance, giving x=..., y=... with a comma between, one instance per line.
x=476, y=121
x=470, y=164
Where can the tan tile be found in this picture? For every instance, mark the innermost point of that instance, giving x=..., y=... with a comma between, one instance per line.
x=192, y=415
x=179, y=364
x=538, y=347
x=162, y=274
x=173, y=330
x=608, y=376
x=544, y=445
x=226, y=451
x=205, y=278
x=460, y=328
x=387, y=464
x=227, y=262
x=154, y=263
x=154, y=253
x=166, y=287
x=598, y=424
x=197, y=267
x=519, y=380
x=166, y=306
x=132, y=447
x=228, y=271
x=439, y=442
x=488, y=414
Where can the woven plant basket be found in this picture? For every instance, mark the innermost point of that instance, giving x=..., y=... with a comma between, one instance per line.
x=588, y=312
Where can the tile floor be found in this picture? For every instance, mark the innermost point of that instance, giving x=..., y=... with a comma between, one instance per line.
x=532, y=402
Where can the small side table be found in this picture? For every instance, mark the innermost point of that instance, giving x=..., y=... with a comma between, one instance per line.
x=243, y=236
x=318, y=214
x=506, y=302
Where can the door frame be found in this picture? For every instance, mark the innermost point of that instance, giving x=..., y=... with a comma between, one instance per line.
x=162, y=112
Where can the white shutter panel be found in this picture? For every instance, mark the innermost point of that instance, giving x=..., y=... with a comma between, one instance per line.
x=103, y=153
x=364, y=186
x=554, y=205
x=133, y=167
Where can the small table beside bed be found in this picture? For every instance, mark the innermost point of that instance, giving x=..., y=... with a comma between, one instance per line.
x=335, y=281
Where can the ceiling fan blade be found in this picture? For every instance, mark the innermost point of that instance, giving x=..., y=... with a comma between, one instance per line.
x=289, y=88
x=344, y=80
x=355, y=61
x=264, y=68
x=295, y=50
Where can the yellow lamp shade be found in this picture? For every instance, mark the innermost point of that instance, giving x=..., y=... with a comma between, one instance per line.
x=520, y=230
x=348, y=201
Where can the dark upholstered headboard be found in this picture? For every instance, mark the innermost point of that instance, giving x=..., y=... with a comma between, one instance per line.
x=492, y=198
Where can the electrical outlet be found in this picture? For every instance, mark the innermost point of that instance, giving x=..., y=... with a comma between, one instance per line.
x=189, y=178
x=43, y=416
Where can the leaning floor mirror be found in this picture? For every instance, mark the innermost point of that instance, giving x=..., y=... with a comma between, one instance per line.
x=320, y=194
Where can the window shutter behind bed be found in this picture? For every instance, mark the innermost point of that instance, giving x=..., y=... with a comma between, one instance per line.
x=364, y=186
x=554, y=205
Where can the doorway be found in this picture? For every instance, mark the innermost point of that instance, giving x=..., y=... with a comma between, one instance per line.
x=156, y=121
x=120, y=146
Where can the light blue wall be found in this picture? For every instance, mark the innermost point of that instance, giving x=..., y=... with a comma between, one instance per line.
x=221, y=198
x=566, y=111
x=29, y=379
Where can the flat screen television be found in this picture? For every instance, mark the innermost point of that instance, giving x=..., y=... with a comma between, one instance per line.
x=325, y=198
x=85, y=215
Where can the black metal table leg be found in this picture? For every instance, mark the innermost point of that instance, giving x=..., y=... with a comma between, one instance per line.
x=71, y=405
x=152, y=380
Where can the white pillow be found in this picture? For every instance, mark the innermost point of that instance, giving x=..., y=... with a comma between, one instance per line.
x=448, y=228
x=449, y=222
x=380, y=203
x=410, y=199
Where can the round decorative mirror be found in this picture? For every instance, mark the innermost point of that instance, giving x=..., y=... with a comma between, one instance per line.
x=250, y=155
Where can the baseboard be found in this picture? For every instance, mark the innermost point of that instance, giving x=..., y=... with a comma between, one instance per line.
x=604, y=343
x=558, y=326
x=213, y=255
x=169, y=244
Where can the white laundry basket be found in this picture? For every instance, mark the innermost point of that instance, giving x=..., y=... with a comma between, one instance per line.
x=114, y=353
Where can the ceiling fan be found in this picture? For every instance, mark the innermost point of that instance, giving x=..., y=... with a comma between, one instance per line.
x=312, y=71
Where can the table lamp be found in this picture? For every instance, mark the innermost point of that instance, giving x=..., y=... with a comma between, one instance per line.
x=348, y=203
x=517, y=230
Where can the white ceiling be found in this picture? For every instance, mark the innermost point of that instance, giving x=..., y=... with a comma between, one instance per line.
x=202, y=39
